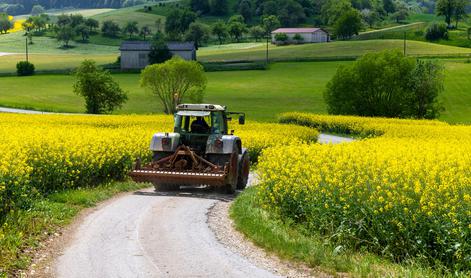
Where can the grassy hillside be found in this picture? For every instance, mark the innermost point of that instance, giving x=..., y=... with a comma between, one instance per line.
x=333, y=49
x=121, y=16
x=262, y=94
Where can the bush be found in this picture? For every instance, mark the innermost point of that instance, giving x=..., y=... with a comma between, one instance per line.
x=281, y=38
x=298, y=38
x=386, y=84
x=436, y=31
x=24, y=68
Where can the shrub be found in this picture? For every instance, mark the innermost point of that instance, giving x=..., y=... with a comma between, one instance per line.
x=281, y=38
x=436, y=31
x=24, y=68
x=298, y=38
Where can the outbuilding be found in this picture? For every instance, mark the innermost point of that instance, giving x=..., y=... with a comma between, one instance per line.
x=308, y=35
x=135, y=54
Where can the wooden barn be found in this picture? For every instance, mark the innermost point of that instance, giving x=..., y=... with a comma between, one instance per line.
x=309, y=35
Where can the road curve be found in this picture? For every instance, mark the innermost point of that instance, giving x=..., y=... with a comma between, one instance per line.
x=156, y=234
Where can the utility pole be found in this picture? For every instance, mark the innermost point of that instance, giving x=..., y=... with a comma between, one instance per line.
x=26, y=46
x=267, y=49
x=405, y=43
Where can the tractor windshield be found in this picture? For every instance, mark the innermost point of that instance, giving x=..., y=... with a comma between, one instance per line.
x=200, y=122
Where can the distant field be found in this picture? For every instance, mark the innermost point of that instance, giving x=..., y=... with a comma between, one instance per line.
x=15, y=43
x=122, y=16
x=53, y=61
x=262, y=94
x=332, y=49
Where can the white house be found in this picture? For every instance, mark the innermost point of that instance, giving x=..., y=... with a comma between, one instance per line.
x=135, y=54
x=309, y=35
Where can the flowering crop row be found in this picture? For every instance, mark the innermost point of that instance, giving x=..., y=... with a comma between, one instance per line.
x=45, y=153
x=404, y=194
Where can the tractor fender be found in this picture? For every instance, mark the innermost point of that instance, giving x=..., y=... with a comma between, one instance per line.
x=229, y=142
x=165, y=142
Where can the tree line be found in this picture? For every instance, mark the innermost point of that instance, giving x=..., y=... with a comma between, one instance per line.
x=14, y=7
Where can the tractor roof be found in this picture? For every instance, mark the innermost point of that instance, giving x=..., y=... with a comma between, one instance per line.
x=200, y=107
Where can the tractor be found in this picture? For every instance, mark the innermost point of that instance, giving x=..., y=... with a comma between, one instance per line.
x=200, y=151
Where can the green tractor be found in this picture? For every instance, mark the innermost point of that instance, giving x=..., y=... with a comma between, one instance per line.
x=200, y=151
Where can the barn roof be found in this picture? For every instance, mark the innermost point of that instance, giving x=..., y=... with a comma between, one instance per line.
x=146, y=45
x=296, y=30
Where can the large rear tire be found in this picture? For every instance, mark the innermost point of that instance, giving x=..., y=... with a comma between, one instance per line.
x=244, y=170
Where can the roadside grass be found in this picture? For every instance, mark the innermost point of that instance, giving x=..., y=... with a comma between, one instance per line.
x=24, y=230
x=262, y=95
x=291, y=242
x=52, y=62
x=337, y=49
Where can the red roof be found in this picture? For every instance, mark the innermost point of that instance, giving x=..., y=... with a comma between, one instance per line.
x=296, y=30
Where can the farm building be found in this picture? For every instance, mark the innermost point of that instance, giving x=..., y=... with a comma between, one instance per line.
x=135, y=54
x=309, y=35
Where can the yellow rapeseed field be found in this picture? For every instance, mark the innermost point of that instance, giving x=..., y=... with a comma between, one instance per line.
x=44, y=153
x=405, y=193
x=17, y=24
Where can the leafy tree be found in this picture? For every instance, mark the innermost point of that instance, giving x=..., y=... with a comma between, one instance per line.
x=65, y=35
x=198, y=33
x=281, y=38
x=388, y=6
x=237, y=29
x=401, y=13
x=348, y=24
x=5, y=23
x=220, y=31
x=37, y=10
x=291, y=13
x=102, y=94
x=159, y=51
x=174, y=81
x=427, y=83
x=219, y=7
x=92, y=24
x=257, y=32
x=63, y=20
x=269, y=7
x=145, y=31
x=24, y=68
x=460, y=10
x=131, y=28
x=83, y=31
x=332, y=10
x=270, y=23
x=201, y=6
x=370, y=17
x=76, y=20
x=236, y=18
x=178, y=21
x=110, y=28
x=385, y=84
x=436, y=31
x=446, y=8
x=245, y=10
x=158, y=24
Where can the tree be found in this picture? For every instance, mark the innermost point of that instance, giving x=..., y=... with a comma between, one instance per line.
x=198, y=33
x=201, y=6
x=385, y=84
x=370, y=17
x=219, y=7
x=174, y=81
x=270, y=23
x=76, y=20
x=236, y=29
x=401, y=13
x=178, y=21
x=63, y=20
x=332, y=10
x=436, y=31
x=37, y=10
x=427, y=81
x=131, y=28
x=102, y=94
x=460, y=11
x=257, y=32
x=92, y=24
x=158, y=24
x=388, y=6
x=446, y=8
x=83, y=31
x=5, y=23
x=291, y=13
x=348, y=24
x=110, y=29
x=220, y=31
x=469, y=33
x=65, y=35
x=145, y=31
x=159, y=51
x=245, y=9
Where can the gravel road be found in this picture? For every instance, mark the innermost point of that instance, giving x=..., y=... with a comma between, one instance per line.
x=157, y=234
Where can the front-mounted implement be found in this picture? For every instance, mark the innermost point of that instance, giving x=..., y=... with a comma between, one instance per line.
x=200, y=151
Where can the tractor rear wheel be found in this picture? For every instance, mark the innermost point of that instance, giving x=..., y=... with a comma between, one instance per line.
x=244, y=170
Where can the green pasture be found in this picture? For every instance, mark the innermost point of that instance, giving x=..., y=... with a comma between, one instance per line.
x=262, y=94
x=124, y=15
x=338, y=49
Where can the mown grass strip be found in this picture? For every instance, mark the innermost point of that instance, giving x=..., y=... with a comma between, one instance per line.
x=289, y=241
x=23, y=230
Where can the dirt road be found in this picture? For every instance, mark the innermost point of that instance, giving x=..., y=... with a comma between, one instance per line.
x=149, y=234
